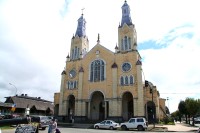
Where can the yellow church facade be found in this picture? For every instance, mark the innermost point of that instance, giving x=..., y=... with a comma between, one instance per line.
x=99, y=84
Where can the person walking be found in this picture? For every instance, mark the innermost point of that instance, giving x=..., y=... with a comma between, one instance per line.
x=52, y=126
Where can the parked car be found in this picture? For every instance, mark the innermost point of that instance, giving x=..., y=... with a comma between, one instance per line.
x=107, y=124
x=44, y=121
x=139, y=123
x=1, y=117
x=11, y=116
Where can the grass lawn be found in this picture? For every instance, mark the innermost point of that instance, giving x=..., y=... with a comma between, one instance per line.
x=6, y=127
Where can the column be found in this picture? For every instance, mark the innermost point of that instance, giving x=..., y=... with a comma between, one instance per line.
x=140, y=100
x=105, y=103
x=80, y=91
x=61, y=98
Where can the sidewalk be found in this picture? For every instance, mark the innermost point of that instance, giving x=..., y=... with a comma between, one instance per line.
x=178, y=127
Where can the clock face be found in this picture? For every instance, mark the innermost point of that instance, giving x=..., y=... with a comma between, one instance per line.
x=126, y=66
x=72, y=73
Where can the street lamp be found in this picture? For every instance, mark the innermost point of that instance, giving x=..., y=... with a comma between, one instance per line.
x=14, y=87
x=168, y=102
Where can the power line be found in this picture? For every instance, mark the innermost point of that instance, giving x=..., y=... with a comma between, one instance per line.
x=179, y=93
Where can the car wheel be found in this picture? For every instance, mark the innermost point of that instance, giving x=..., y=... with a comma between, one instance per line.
x=140, y=128
x=111, y=128
x=96, y=127
x=123, y=127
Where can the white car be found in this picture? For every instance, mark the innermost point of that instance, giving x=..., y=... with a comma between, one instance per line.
x=107, y=124
x=139, y=123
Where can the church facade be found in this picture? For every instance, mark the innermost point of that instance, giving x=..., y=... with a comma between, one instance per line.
x=99, y=84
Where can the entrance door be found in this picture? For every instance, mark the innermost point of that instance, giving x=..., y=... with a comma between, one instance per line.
x=151, y=110
x=71, y=107
x=127, y=106
x=97, y=106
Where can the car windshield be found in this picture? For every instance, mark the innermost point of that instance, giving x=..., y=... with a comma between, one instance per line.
x=103, y=122
x=44, y=118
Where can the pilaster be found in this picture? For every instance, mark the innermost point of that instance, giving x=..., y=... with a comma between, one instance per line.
x=114, y=82
x=61, y=101
x=140, y=100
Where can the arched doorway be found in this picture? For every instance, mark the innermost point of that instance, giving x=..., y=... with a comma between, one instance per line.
x=97, y=106
x=71, y=106
x=33, y=110
x=151, y=111
x=127, y=105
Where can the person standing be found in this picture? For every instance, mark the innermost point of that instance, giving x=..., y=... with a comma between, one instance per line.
x=52, y=126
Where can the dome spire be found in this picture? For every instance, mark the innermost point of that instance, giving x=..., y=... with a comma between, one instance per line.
x=81, y=28
x=126, y=17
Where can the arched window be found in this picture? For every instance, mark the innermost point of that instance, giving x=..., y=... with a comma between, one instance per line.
x=78, y=53
x=97, y=70
x=131, y=80
x=72, y=54
x=68, y=84
x=129, y=43
x=71, y=85
x=122, y=44
x=126, y=80
x=125, y=43
x=75, y=84
x=122, y=81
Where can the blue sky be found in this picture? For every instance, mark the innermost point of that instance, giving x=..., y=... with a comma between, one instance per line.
x=35, y=38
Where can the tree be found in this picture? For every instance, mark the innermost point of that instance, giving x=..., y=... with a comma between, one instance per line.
x=198, y=105
x=192, y=107
x=176, y=115
x=182, y=109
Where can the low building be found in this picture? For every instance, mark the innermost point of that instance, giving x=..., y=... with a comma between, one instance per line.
x=20, y=104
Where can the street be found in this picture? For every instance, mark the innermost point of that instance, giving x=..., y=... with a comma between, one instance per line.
x=178, y=127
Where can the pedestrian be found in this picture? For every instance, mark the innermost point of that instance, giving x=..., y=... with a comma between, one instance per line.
x=28, y=119
x=52, y=126
x=198, y=131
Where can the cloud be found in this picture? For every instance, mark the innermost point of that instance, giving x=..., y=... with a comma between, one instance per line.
x=31, y=41
x=174, y=67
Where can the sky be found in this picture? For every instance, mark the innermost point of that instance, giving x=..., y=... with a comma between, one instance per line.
x=35, y=38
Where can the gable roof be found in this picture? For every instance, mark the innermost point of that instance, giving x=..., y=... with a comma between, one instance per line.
x=100, y=46
x=26, y=101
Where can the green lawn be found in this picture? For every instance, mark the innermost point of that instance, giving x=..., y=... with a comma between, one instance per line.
x=6, y=127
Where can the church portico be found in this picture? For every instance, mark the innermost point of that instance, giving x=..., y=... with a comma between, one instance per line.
x=71, y=105
x=97, y=106
x=127, y=106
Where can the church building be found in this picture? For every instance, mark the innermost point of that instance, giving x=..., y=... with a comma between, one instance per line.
x=99, y=84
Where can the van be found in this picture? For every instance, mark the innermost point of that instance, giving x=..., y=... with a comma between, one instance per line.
x=44, y=121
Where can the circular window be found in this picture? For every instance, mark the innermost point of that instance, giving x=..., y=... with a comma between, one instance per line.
x=72, y=73
x=126, y=66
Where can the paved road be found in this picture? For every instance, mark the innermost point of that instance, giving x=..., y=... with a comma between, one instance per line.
x=179, y=127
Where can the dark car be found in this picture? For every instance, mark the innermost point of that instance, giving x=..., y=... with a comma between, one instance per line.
x=44, y=121
x=1, y=117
